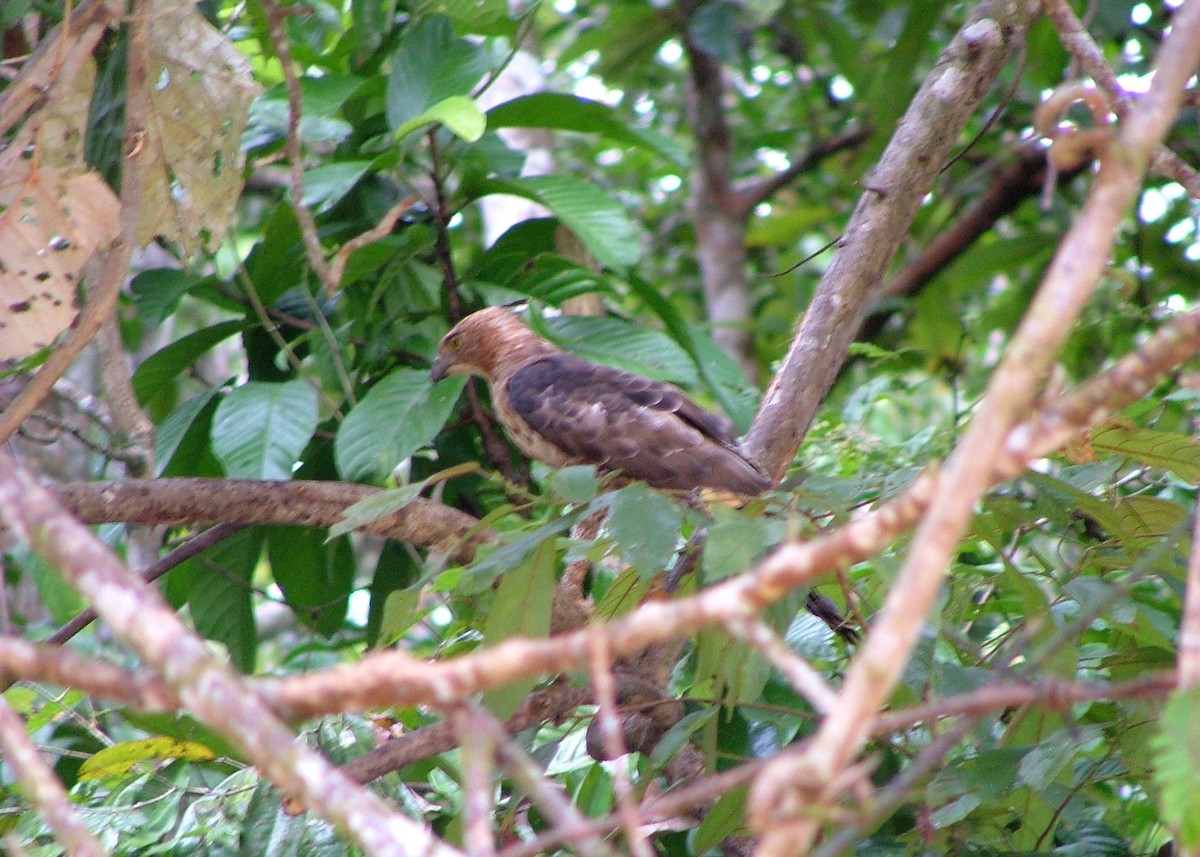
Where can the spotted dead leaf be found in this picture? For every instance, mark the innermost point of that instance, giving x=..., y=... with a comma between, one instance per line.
x=200, y=93
x=50, y=223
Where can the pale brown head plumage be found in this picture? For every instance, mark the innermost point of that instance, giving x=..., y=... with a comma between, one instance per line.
x=486, y=342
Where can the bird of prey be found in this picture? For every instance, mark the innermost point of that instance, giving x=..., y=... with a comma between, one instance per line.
x=562, y=410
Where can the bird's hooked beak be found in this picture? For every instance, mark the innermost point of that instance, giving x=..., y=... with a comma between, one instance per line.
x=441, y=366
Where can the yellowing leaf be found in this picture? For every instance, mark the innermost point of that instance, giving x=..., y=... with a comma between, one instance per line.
x=119, y=758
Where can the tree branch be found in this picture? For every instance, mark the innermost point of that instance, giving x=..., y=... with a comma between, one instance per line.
x=422, y=522
x=905, y=174
x=102, y=297
x=785, y=787
x=206, y=686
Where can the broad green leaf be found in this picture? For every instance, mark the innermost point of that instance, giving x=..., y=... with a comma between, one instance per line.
x=316, y=575
x=395, y=573
x=1046, y=761
x=624, y=345
x=645, y=525
x=260, y=429
x=678, y=736
x=325, y=185
x=1177, y=758
x=398, y=416
x=371, y=509
x=599, y=222
x=521, y=608
x=724, y=378
x=157, y=293
x=564, y=112
x=575, y=484
x=726, y=816
x=165, y=365
x=625, y=593
x=183, y=440
x=484, y=571
x=1176, y=452
x=116, y=760
x=57, y=596
x=1149, y=517
x=954, y=811
x=458, y=113
x=713, y=27
x=401, y=609
x=429, y=66
x=217, y=587
x=733, y=545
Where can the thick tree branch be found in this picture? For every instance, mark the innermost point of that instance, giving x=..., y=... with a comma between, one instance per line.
x=205, y=685
x=905, y=174
x=424, y=523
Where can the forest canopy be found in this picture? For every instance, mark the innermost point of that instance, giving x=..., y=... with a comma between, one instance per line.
x=271, y=588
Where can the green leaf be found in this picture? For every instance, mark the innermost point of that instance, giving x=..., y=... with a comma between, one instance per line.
x=430, y=66
x=216, y=585
x=724, y=378
x=316, y=576
x=624, y=345
x=726, y=816
x=325, y=185
x=1046, y=761
x=157, y=293
x=260, y=429
x=625, y=593
x=564, y=112
x=165, y=365
x=714, y=29
x=1176, y=452
x=574, y=484
x=371, y=509
x=171, y=432
x=521, y=608
x=458, y=113
x=645, y=525
x=395, y=573
x=398, y=416
x=599, y=222
x=484, y=571
x=734, y=544
x=1177, y=758
x=678, y=736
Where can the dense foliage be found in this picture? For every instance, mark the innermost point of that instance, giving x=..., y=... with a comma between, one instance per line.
x=265, y=345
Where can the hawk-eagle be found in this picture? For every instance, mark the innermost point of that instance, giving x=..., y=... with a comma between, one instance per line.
x=561, y=410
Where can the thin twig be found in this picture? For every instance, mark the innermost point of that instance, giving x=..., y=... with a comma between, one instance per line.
x=609, y=723
x=295, y=154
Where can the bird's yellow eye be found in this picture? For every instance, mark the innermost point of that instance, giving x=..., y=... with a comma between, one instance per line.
x=455, y=342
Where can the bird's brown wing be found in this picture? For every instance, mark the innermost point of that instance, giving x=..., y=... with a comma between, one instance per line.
x=618, y=421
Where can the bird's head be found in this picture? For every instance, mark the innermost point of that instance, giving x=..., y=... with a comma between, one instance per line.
x=484, y=343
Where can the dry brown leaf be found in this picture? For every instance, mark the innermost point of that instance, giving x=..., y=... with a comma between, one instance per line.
x=201, y=88
x=50, y=223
